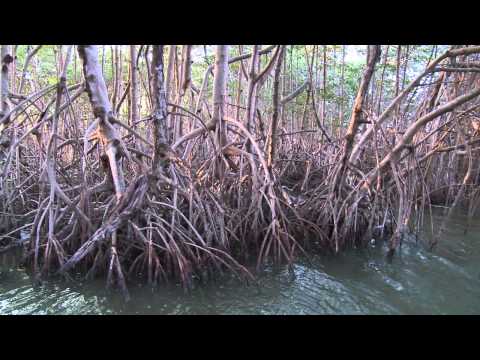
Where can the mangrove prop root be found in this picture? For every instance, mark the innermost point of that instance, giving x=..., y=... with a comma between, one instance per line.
x=100, y=196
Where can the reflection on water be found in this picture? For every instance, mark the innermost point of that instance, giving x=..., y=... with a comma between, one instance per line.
x=446, y=281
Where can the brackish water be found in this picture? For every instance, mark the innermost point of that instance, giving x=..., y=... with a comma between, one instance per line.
x=417, y=281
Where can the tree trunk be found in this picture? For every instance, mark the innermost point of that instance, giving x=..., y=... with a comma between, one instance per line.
x=271, y=143
x=342, y=91
x=397, y=84
x=251, y=88
x=220, y=83
x=380, y=94
x=171, y=62
x=161, y=148
x=357, y=114
x=134, y=111
x=186, y=68
x=6, y=59
x=324, y=102
x=102, y=110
